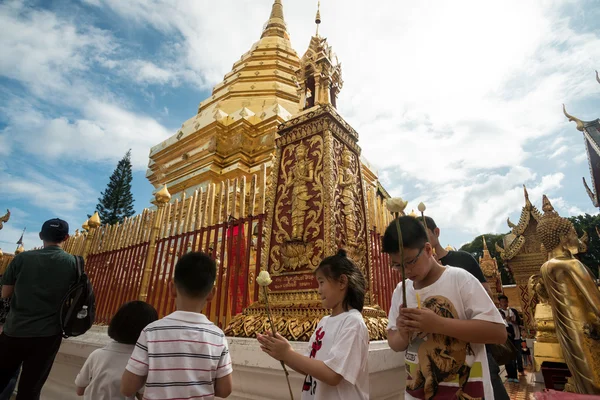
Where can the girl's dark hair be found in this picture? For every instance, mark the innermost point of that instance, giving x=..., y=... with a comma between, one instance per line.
x=334, y=267
x=127, y=324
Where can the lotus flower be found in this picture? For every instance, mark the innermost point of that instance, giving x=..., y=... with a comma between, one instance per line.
x=396, y=205
x=264, y=279
x=422, y=207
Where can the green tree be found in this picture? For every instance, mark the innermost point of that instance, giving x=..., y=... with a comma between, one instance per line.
x=589, y=223
x=116, y=202
x=476, y=250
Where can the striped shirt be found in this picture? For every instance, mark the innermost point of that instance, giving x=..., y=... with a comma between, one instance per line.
x=181, y=355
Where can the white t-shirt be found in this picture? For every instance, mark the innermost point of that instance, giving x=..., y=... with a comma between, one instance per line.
x=342, y=343
x=101, y=374
x=456, y=294
x=509, y=316
x=181, y=354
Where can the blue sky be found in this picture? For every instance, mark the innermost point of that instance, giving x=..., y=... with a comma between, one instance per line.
x=458, y=104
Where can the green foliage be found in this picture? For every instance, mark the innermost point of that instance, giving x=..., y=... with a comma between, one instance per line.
x=116, y=202
x=588, y=223
x=476, y=250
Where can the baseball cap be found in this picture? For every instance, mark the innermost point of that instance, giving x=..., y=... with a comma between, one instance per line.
x=55, y=230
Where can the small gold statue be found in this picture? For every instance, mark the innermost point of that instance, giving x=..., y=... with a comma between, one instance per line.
x=347, y=181
x=574, y=298
x=302, y=173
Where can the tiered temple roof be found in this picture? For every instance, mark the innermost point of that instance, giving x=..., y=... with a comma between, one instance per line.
x=591, y=135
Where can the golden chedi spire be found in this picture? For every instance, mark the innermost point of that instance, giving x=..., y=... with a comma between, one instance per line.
x=276, y=25
x=257, y=94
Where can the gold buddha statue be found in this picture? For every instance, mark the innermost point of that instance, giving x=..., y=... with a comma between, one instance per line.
x=574, y=298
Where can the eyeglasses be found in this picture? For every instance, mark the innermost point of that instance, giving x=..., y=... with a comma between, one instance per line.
x=411, y=262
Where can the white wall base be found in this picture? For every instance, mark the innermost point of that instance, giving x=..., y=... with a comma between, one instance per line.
x=256, y=375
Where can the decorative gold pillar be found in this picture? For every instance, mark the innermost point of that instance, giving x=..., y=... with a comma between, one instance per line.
x=93, y=223
x=316, y=204
x=162, y=197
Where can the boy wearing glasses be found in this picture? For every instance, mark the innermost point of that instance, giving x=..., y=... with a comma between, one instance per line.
x=446, y=323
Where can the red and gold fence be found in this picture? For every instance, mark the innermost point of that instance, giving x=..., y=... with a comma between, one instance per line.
x=385, y=278
x=136, y=259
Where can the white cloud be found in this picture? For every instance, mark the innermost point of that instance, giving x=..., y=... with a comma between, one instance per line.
x=54, y=193
x=51, y=57
x=456, y=96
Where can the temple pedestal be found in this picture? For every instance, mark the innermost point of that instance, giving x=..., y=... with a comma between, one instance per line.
x=256, y=375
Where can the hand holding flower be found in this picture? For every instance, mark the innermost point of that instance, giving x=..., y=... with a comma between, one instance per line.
x=276, y=346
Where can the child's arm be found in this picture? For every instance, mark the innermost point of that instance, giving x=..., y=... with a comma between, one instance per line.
x=136, y=371
x=483, y=324
x=279, y=348
x=398, y=332
x=223, y=386
x=224, y=382
x=131, y=383
x=84, y=376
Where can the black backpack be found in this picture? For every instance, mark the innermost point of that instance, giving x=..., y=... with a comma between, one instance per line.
x=78, y=308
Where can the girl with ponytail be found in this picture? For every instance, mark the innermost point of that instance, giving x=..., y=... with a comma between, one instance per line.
x=335, y=363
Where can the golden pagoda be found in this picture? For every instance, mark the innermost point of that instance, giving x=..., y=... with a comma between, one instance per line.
x=523, y=256
x=233, y=134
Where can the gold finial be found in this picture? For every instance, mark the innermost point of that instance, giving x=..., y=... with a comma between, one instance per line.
x=318, y=17
x=163, y=196
x=1, y=253
x=276, y=24
x=597, y=77
x=94, y=221
x=572, y=118
x=413, y=214
x=19, y=250
x=85, y=226
x=485, y=248
x=449, y=248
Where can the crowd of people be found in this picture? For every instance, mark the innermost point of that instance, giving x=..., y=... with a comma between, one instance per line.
x=443, y=322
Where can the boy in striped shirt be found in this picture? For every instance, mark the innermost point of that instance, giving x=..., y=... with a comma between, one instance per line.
x=183, y=355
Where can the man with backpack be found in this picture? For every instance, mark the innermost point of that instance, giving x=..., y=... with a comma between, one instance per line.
x=37, y=282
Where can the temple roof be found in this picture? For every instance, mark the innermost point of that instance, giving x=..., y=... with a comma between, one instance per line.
x=528, y=212
x=591, y=133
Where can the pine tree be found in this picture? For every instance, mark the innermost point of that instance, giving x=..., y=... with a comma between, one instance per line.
x=116, y=202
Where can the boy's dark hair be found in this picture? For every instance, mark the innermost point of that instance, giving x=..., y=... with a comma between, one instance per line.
x=413, y=235
x=195, y=274
x=430, y=223
x=334, y=267
x=127, y=324
x=502, y=297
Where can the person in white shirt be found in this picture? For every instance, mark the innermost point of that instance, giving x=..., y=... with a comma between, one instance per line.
x=513, y=320
x=183, y=355
x=445, y=324
x=335, y=363
x=100, y=377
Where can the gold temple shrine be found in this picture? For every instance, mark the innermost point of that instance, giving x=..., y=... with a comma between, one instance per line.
x=522, y=254
x=234, y=132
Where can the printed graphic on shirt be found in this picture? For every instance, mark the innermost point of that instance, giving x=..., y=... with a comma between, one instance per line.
x=310, y=384
x=442, y=367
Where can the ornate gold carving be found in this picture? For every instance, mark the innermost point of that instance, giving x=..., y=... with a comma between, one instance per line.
x=299, y=196
x=297, y=322
x=301, y=174
x=347, y=181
